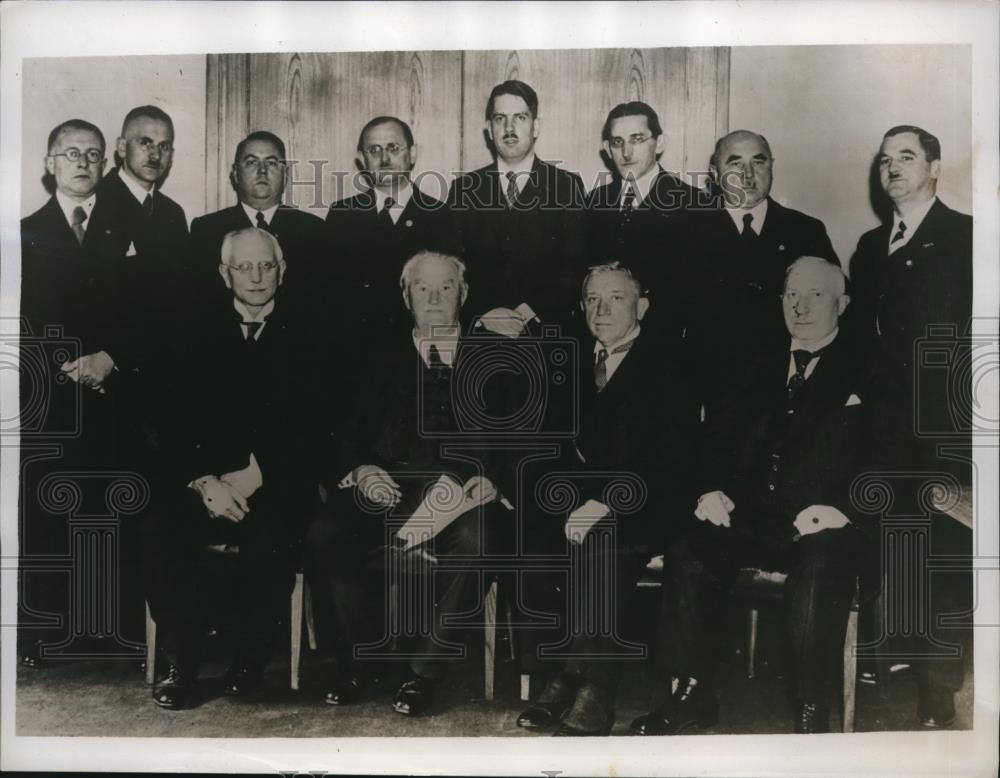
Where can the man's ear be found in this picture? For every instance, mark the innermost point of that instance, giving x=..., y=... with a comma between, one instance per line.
x=282, y=268
x=359, y=160
x=50, y=165
x=842, y=303
x=413, y=156
x=661, y=143
x=226, y=277
x=536, y=125
x=936, y=169
x=406, y=300
x=465, y=293
x=641, y=307
x=121, y=146
x=607, y=148
x=232, y=178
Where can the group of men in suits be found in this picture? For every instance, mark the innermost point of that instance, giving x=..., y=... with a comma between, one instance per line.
x=715, y=384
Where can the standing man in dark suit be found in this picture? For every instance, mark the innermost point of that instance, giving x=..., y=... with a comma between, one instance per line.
x=635, y=218
x=376, y=231
x=636, y=421
x=738, y=254
x=776, y=494
x=519, y=221
x=241, y=466
x=259, y=176
x=907, y=276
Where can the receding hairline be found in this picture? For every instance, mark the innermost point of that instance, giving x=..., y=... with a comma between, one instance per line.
x=833, y=272
x=246, y=233
x=405, y=276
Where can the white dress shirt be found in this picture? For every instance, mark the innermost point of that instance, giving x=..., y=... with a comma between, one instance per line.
x=252, y=212
x=261, y=316
x=642, y=185
x=912, y=220
x=402, y=197
x=134, y=186
x=68, y=206
x=614, y=360
x=759, y=213
x=445, y=339
x=521, y=171
x=812, y=347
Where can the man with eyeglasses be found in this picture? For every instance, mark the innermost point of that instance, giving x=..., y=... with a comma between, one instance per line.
x=635, y=217
x=259, y=176
x=377, y=230
x=519, y=221
x=240, y=464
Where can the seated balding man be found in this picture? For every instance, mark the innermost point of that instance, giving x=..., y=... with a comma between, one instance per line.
x=241, y=447
x=778, y=470
x=396, y=446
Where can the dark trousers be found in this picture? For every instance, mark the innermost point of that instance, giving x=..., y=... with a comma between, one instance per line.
x=351, y=562
x=699, y=569
x=175, y=534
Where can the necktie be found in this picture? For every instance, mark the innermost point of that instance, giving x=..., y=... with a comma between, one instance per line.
x=262, y=222
x=628, y=203
x=601, y=365
x=748, y=238
x=147, y=205
x=802, y=359
x=434, y=357
x=252, y=328
x=384, y=215
x=898, y=236
x=512, y=191
x=79, y=217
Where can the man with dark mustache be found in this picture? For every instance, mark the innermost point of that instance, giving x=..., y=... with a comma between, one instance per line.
x=259, y=175
x=520, y=223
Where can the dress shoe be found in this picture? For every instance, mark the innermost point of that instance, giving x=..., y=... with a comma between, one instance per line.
x=935, y=707
x=811, y=718
x=174, y=690
x=32, y=656
x=552, y=704
x=591, y=714
x=415, y=696
x=345, y=690
x=691, y=705
x=243, y=678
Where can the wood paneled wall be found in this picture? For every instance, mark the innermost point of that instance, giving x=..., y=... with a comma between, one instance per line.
x=318, y=103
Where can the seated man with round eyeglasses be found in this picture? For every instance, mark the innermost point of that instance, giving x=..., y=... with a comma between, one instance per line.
x=239, y=448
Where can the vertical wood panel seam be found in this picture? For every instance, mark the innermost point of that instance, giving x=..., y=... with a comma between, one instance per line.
x=461, y=112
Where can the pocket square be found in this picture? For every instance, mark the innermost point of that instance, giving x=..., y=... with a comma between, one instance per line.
x=852, y=400
x=131, y=250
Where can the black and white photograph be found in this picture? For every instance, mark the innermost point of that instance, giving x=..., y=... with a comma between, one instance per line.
x=404, y=388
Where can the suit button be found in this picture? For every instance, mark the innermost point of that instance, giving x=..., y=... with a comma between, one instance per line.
x=909, y=263
x=770, y=487
x=774, y=468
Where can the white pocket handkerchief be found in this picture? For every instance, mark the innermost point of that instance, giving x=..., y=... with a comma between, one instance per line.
x=852, y=400
x=131, y=250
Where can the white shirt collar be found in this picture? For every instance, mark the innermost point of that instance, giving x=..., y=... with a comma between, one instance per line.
x=68, y=206
x=444, y=339
x=264, y=312
x=524, y=166
x=822, y=343
x=642, y=185
x=252, y=212
x=401, y=198
x=759, y=213
x=632, y=334
x=134, y=186
x=912, y=220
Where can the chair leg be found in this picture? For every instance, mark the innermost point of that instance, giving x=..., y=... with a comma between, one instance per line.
x=510, y=630
x=752, y=618
x=310, y=621
x=489, y=653
x=295, y=655
x=882, y=665
x=850, y=670
x=150, y=647
x=525, y=687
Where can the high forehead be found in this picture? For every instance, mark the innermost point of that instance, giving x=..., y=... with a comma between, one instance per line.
x=433, y=268
x=251, y=246
x=817, y=274
x=629, y=125
x=81, y=139
x=510, y=104
x=384, y=132
x=904, y=141
x=262, y=149
x=609, y=281
x=743, y=146
x=148, y=127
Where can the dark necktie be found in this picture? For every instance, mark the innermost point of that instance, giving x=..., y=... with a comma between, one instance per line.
x=384, y=215
x=899, y=234
x=601, y=365
x=79, y=217
x=262, y=222
x=252, y=328
x=147, y=205
x=434, y=357
x=802, y=359
x=628, y=203
x=512, y=191
x=748, y=238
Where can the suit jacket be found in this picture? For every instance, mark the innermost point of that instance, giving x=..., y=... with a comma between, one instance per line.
x=140, y=264
x=648, y=242
x=643, y=423
x=733, y=305
x=533, y=253
x=894, y=299
x=300, y=234
x=773, y=463
x=370, y=256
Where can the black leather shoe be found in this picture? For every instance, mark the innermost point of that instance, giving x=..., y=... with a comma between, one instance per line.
x=414, y=697
x=811, y=718
x=591, y=715
x=935, y=707
x=243, y=678
x=345, y=690
x=175, y=690
x=692, y=705
x=553, y=703
x=32, y=656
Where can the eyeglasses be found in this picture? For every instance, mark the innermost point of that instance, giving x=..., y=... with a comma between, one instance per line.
x=393, y=148
x=148, y=144
x=633, y=140
x=246, y=267
x=93, y=156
